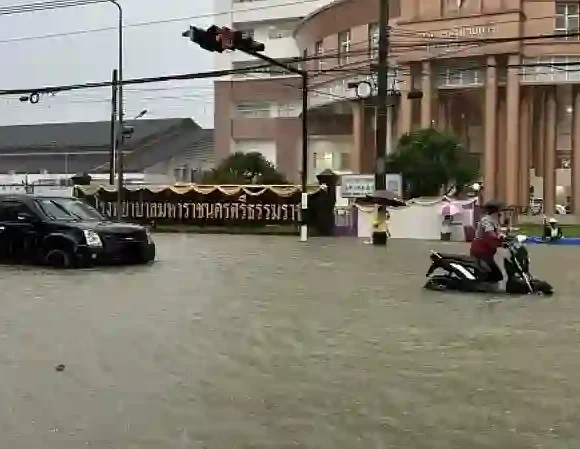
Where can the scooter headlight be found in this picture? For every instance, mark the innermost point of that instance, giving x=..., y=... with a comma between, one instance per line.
x=93, y=239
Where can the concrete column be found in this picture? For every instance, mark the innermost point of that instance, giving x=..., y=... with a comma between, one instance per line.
x=358, y=134
x=575, y=156
x=427, y=99
x=501, y=169
x=490, y=148
x=549, y=194
x=405, y=113
x=512, y=159
x=539, y=130
x=442, y=113
x=525, y=147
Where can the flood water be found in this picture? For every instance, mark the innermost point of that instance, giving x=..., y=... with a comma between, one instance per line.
x=264, y=343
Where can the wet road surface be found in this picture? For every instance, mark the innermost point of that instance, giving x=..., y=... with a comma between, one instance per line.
x=260, y=342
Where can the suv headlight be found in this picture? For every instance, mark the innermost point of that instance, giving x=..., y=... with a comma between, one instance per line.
x=149, y=236
x=93, y=238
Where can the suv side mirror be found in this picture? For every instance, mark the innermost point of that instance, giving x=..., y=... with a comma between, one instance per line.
x=25, y=217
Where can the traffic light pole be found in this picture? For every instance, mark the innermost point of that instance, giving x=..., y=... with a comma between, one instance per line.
x=220, y=39
x=304, y=171
x=304, y=123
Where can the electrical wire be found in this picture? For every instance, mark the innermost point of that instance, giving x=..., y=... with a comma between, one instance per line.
x=45, y=6
x=205, y=16
x=215, y=74
x=156, y=22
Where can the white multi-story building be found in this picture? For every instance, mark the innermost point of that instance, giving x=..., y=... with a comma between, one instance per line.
x=269, y=21
x=254, y=112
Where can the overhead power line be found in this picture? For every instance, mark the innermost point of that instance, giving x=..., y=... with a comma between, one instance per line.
x=194, y=17
x=222, y=73
x=24, y=8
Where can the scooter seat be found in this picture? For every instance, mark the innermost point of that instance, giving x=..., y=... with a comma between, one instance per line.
x=459, y=258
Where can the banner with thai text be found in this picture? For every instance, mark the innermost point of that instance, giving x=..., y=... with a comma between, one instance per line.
x=204, y=205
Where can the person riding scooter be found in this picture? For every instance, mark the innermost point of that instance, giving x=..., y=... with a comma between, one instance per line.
x=488, y=239
x=552, y=230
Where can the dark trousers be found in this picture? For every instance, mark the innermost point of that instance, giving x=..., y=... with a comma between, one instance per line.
x=495, y=273
x=379, y=238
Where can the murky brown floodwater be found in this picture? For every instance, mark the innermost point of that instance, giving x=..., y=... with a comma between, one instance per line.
x=264, y=343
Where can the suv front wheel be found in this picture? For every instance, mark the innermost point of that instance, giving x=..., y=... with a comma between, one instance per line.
x=59, y=258
x=59, y=253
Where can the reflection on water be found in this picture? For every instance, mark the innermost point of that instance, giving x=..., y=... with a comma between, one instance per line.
x=259, y=342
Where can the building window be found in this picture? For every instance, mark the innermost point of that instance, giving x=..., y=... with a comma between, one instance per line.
x=373, y=40
x=322, y=161
x=343, y=47
x=551, y=69
x=253, y=110
x=567, y=19
x=279, y=33
x=330, y=160
x=248, y=33
x=318, y=54
x=460, y=76
x=180, y=173
x=287, y=110
x=344, y=162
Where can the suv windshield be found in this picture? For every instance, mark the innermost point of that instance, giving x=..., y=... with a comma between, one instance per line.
x=68, y=209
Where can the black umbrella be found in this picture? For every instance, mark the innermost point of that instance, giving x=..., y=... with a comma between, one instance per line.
x=385, y=198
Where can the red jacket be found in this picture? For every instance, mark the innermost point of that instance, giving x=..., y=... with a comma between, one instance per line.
x=487, y=239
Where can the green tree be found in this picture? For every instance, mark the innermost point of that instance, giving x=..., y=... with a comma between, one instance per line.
x=244, y=168
x=430, y=160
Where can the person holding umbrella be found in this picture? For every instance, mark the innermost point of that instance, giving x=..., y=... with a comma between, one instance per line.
x=382, y=200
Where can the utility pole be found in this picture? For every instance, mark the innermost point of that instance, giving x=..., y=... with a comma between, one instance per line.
x=121, y=111
x=382, y=96
x=220, y=39
x=114, y=130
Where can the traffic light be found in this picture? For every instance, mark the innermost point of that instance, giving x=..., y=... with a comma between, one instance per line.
x=207, y=39
x=218, y=39
x=243, y=42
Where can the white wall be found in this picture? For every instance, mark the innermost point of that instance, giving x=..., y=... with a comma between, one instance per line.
x=335, y=145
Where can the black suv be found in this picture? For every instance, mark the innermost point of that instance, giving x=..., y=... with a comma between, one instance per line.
x=65, y=232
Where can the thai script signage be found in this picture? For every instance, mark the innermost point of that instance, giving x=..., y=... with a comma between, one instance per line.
x=445, y=38
x=360, y=186
x=207, y=205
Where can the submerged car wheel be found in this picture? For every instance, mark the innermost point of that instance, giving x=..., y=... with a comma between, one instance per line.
x=59, y=258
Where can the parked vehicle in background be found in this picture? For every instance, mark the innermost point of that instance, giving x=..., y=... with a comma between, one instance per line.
x=537, y=206
x=66, y=232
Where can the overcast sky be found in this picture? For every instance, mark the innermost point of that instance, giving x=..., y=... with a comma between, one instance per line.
x=30, y=59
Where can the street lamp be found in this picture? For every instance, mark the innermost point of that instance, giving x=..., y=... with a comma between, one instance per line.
x=141, y=114
x=34, y=97
x=119, y=155
x=126, y=132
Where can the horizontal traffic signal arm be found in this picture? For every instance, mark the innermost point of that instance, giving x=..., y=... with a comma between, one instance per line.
x=218, y=39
